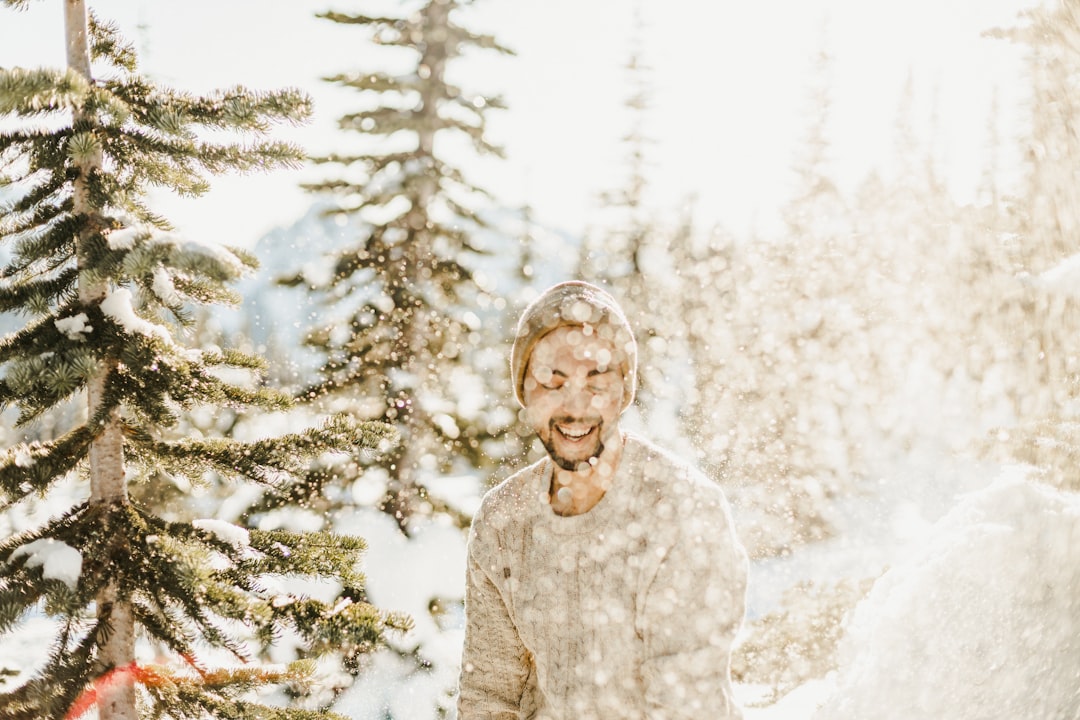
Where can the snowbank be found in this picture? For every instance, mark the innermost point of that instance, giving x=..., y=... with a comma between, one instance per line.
x=982, y=622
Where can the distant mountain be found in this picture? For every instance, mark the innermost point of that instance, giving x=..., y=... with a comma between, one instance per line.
x=275, y=318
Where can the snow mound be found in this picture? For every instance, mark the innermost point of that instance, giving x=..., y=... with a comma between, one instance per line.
x=982, y=622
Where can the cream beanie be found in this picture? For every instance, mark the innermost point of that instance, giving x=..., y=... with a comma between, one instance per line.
x=574, y=303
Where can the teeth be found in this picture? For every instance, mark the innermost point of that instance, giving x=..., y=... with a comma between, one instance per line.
x=574, y=434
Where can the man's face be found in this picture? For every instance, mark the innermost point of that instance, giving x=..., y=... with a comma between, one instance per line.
x=573, y=394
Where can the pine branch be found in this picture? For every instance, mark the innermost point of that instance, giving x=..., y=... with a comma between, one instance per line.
x=33, y=467
x=40, y=91
x=35, y=207
x=40, y=293
x=375, y=82
x=107, y=44
x=268, y=462
x=357, y=19
x=461, y=36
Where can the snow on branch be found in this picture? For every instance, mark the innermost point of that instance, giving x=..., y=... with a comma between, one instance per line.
x=57, y=560
x=117, y=305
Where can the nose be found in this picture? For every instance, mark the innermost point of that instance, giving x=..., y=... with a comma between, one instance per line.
x=578, y=397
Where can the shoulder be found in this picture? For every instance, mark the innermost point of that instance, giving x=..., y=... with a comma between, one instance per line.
x=664, y=471
x=674, y=488
x=510, y=501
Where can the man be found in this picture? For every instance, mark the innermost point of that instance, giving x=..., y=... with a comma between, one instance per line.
x=605, y=581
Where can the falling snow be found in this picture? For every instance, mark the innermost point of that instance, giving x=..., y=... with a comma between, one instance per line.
x=866, y=391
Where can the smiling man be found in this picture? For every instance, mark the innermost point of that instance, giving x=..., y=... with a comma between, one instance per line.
x=606, y=580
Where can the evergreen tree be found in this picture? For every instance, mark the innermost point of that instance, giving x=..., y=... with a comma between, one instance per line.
x=400, y=323
x=815, y=211
x=626, y=252
x=1050, y=223
x=1037, y=319
x=616, y=256
x=108, y=291
x=776, y=344
x=929, y=254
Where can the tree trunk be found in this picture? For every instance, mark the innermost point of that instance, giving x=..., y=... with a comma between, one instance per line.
x=107, y=486
x=418, y=270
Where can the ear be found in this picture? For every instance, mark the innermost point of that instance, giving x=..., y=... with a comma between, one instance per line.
x=629, y=389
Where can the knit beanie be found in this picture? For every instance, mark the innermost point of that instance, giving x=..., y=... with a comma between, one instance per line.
x=579, y=304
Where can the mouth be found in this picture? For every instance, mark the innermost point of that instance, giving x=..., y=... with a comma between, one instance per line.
x=574, y=432
x=572, y=441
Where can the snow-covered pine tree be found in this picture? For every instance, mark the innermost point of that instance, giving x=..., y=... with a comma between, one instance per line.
x=1038, y=320
x=912, y=241
x=614, y=255
x=616, y=252
x=400, y=323
x=767, y=340
x=141, y=604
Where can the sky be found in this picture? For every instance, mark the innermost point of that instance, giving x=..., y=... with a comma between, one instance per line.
x=729, y=94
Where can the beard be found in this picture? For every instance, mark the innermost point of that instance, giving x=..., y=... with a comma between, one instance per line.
x=563, y=461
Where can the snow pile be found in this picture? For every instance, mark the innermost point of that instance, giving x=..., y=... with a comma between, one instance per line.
x=208, y=249
x=23, y=456
x=57, y=560
x=164, y=287
x=125, y=238
x=982, y=622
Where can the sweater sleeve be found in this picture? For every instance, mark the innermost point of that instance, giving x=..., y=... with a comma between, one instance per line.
x=495, y=665
x=693, y=608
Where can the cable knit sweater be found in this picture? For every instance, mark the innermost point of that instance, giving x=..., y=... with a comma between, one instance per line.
x=625, y=611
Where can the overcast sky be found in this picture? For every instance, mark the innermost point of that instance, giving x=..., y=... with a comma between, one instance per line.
x=729, y=92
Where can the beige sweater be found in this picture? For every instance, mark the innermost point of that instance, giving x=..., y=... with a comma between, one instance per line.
x=626, y=611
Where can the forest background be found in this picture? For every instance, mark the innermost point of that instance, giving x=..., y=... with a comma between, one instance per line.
x=851, y=264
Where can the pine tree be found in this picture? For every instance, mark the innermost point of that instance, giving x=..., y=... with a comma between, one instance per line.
x=774, y=340
x=399, y=320
x=108, y=290
x=815, y=209
x=616, y=254
x=1038, y=319
x=920, y=252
